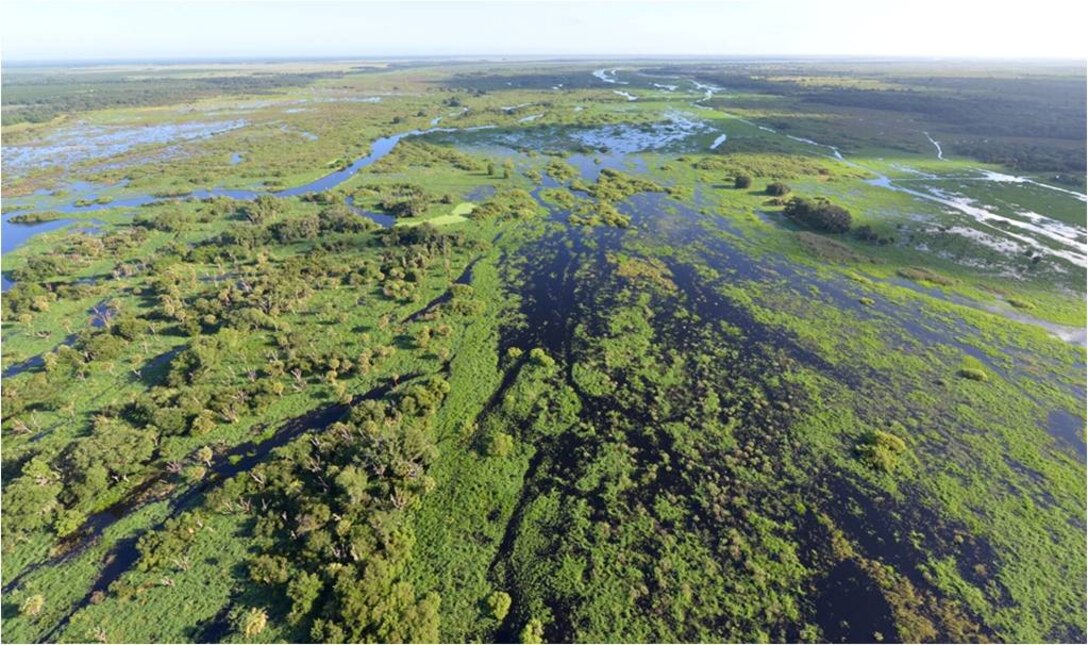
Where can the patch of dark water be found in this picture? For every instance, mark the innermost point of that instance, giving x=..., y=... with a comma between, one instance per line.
x=1069, y=430
x=381, y=219
x=480, y=193
x=851, y=607
x=35, y=362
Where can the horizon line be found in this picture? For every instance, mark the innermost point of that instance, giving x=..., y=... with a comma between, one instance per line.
x=257, y=58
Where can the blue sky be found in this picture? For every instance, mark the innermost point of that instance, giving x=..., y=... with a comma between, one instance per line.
x=44, y=30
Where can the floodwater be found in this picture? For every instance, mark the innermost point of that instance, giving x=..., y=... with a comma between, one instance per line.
x=82, y=142
x=557, y=297
x=15, y=235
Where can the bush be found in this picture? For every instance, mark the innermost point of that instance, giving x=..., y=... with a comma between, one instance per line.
x=882, y=450
x=777, y=189
x=499, y=444
x=973, y=373
x=250, y=622
x=742, y=181
x=818, y=214
x=540, y=357
x=533, y=632
x=32, y=605
x=499, y=604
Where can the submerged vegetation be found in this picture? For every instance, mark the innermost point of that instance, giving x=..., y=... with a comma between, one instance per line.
x=565, y=367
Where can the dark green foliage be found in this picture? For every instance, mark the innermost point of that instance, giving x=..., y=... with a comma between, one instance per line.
x=507, y=204
x=35, y=97
x=31, y=500
x=742, y=181
x=262, y=210
x=818, y=214
x=404, y=200
x=777, y=189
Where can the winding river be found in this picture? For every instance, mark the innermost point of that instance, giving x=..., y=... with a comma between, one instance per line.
x=15, y=234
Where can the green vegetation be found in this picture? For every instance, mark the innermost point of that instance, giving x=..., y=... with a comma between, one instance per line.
x=553, y=380
x=819, y=214
x=777, y=189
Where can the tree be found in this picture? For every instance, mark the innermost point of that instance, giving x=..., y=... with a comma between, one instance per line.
x=303, y=590
x=205, y=455
x=262, y=209
x=251, y=622
x=742, y=181
x=30, y=501
x=819, y=214
x=491, y=168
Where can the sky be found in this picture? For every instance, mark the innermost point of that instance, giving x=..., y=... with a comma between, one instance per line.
x=41, y=30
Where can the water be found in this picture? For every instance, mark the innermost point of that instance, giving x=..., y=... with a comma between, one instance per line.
x=937, y=145
x=15, y=235
x=558, y=296
x=82, y=142
x=609, y=76
x=1069, y=430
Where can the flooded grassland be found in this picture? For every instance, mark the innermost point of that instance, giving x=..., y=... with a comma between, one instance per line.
x=504, y=352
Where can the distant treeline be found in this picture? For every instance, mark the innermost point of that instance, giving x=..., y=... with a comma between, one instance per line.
x=1032, y=123
x=36, y=98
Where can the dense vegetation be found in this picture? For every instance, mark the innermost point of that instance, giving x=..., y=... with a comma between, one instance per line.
x=819, y=214
x=35, y=97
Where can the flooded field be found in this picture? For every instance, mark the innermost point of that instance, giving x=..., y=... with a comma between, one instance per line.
x=576, y=352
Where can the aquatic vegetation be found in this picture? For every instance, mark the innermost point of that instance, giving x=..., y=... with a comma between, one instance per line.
x=555, y=380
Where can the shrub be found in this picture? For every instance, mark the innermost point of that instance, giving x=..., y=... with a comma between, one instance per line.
x=499, y=444
x=540, y=357
x=499, y=604
x=881, y=450
x=32, y=605
x=742, y=181
x=533, y=632
x=818, y=214
x=251, y=622
x=973, y=373
x=922, y=274
x=777, y=189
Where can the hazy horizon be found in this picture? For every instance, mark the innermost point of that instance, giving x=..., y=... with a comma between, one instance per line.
x=171, y=31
